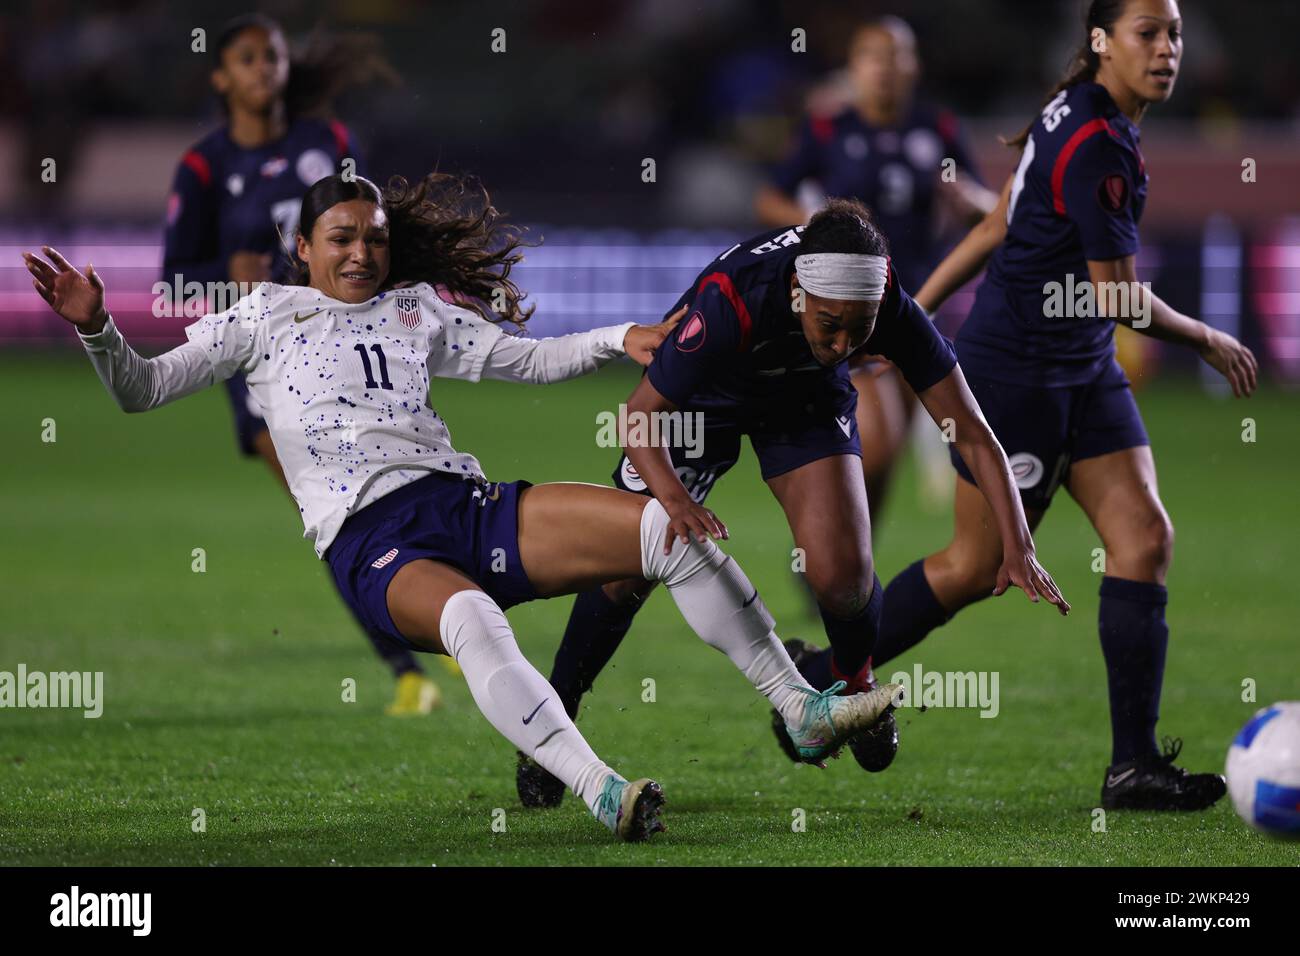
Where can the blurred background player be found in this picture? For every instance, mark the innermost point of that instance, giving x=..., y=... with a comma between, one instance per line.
x=236, y=199
x=1056, y=397
x=870, y=138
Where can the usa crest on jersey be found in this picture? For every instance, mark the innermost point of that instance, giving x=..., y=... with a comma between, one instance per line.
x=408, y=310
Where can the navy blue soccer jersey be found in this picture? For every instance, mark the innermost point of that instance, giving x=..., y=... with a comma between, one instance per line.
x=740, y=352
x=227, y=199
x=1078, y=194
x=893, y=170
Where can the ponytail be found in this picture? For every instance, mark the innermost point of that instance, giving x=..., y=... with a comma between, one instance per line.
x=1102, y=15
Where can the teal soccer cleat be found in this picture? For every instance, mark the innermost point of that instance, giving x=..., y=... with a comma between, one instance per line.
x=630, y=808
x=830, y=720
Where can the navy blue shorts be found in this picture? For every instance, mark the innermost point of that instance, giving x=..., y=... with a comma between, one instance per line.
x=473, y=527
x=781, y=445
x=1043, y=430
x=248, y=414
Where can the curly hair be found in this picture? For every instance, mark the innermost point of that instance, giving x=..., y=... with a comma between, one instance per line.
x=442, y=230
x=844, y=225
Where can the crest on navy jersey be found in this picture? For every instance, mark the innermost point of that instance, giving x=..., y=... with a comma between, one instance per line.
x=923, y=148
x=313, y=166
x=691, y=337
x=408, y=310
x=274, y=167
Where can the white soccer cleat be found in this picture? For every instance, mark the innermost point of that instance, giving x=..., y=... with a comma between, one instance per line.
x=830, y=720
x=630, y=808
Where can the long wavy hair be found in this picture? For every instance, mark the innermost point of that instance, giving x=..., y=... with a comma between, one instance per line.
x=1101, y=14
x=442, y=230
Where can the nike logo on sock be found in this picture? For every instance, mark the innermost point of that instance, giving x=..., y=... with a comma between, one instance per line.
x=529, y=718
x=1114, y=780
x=751, y=600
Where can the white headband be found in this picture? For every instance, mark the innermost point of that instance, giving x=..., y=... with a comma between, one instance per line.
x=843, y=275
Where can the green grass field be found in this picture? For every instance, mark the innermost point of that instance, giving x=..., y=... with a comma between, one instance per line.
x=223, y=688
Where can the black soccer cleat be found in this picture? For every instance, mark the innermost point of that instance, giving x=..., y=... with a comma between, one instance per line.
x=536, y=786
x=782, y=738
x=638, y=817
x=1154, y=783
x=873, y=749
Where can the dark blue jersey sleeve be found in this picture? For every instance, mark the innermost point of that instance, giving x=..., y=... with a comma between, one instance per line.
x=905, y=335
x=190, y=241
x=710, y=334
x=1096, y=189
x=803, y=161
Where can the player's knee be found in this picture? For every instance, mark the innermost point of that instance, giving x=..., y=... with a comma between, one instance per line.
x=972, y=572
x=1162, y=539
x=844, y=589
x=684, y=559
x=1150, y=549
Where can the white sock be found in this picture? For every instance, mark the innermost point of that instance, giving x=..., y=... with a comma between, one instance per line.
x=508, y=689
x=711, y=590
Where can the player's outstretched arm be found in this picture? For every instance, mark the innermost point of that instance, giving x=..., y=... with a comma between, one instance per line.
x=950, y=400
x=967, y=257
x=136, y=383
x=969, y=201
x=1143, y=310
x=558, y=359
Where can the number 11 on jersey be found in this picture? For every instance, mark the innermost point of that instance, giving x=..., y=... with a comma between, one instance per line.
x=383, y=366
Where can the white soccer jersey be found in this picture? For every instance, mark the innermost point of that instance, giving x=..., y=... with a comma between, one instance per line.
x=344, y=388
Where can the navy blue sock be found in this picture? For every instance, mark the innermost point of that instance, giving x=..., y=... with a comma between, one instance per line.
x=1134, y=638
x=596, y=627
x=398, y=658
x=852, y=640
x=911, y=612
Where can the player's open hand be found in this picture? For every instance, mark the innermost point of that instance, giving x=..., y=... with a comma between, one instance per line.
x=1233, y=361
x=1021, y=568
x=76, y=297
x=686, y=518
x=642, y=340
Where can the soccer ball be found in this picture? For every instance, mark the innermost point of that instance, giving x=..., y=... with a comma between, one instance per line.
x=1264, y=770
